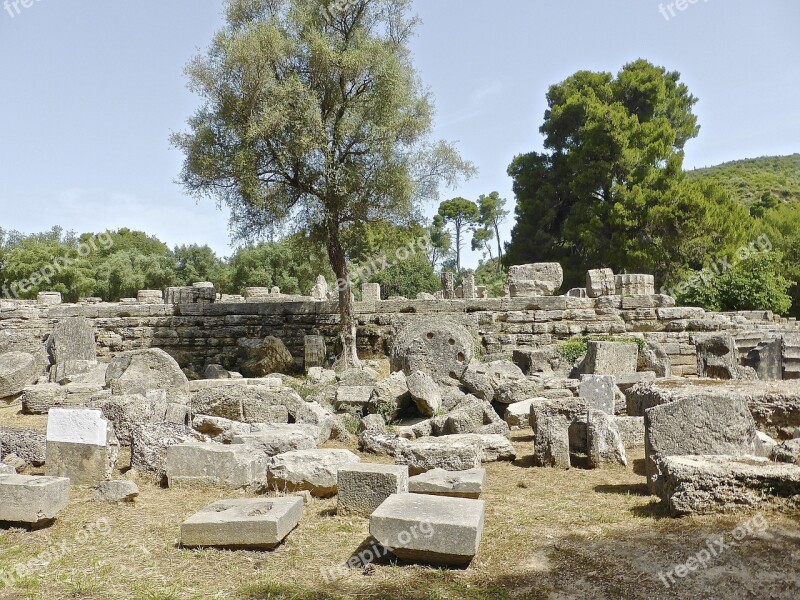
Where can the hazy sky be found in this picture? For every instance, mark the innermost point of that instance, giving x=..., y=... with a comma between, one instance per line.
x=90, y=91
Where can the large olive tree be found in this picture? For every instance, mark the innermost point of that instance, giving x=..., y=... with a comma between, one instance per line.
x=314, y=119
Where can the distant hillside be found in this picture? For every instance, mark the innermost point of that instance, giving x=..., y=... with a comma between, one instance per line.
x=748, y=180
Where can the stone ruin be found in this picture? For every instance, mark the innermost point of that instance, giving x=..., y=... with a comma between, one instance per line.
x=203, y=390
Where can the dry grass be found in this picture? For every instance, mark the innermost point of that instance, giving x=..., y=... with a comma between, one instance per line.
x=548, y=534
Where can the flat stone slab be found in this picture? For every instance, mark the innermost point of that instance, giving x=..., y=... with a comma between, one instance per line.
x=230, y=466
x=32, y=500
x=456, y=484
x=363, y=487
x=243, y=523
x=312, y=470
x=274, y=440
x=723, y=484
x=430, y=529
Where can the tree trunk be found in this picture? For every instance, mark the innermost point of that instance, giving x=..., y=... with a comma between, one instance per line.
x=458, y=248
x=347, y=323
x=499, y=243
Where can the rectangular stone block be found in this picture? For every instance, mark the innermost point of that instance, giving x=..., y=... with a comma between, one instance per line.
x=430, y=529
x=599, y=391
x=363, y=487
x=611, y=358
x=32, y=500
x=261, y=523
x=600, y=282
x=81, y=445
x=371, y=292
x=233, y=466
x=455, y=484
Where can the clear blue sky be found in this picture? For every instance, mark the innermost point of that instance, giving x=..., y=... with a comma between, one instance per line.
x=91, y=90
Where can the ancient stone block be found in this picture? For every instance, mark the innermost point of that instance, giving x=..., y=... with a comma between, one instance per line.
x=603, y=440
x=539, y=279
x=703, y=424
x=116, y=491
x=599, y=392
x=315, y=352
x=251, y=523
x=425, y=393
x=260, y=358
x=149, y=445
x=228, y=466
x=17, y=370
x=140, y=371
x=370, y=292
x=635, y=285
x=312, y=470
x=353, y=396
x=32, y=500
x=433, y=529
x=600, y=282
x=363, y=487
x=428, y=453
x=277, y=439
x=81, y=445
x=767, y=359
x=611, y=358
x=28, y=445
x=456, y=484
x=722, y=484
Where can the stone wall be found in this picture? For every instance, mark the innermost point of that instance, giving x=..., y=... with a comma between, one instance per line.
x=198, y=334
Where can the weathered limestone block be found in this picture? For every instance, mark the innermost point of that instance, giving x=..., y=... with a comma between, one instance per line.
x=34, y=501
x=214, y=371
x=426, y=454
x=149, y=445
x=17, y=370
x=390, y=397
x=438, y=347
x=150, y=297
x=791, y=356
x=260, y=358
x=718, y=357
x=312, y=470
x=551, y=421
x=248, y=523
x=723, y=484
x=81, y=445
x=140, y=371
x=320, y=290
x=379, y=443
x=539, y=279
x=364, y=487
x=48, y=298
x=220, y=430
x=127, y=411
x=374, y=422
x=198, y=293
x=228, y=466
x=353, y=396
x=28, y=445
x=277, y=439
x=425, y=393
x=599, y=392
x=433, y=529
x=40, y=398
x=116, y=491
x=455, y=484
x=635, y=285
x=72, y=339
x=717, y=425
x=603, y=440
x=370, y=292
x=611, y=358
x=600, y=282
x=767, y=359
x=517, y=415
x=315, y=352
x=631, y=430
x=656, y=359
x=448, y=293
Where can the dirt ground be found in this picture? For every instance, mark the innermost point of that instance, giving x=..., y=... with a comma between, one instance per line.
x=549, y=534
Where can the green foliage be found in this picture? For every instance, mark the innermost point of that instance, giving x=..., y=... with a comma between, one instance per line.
x=462, y=214
x=610, y=190
x=757, y=181
x=408, y=278
x=492, y=214
x=441, y=243
x=754, y=283
x=491, y=275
